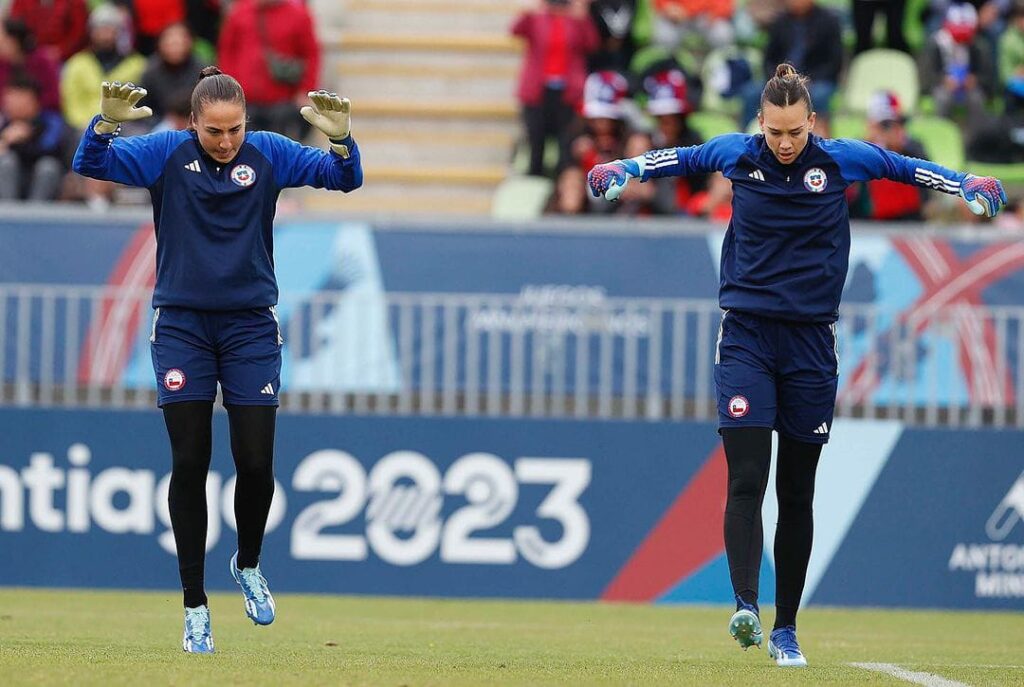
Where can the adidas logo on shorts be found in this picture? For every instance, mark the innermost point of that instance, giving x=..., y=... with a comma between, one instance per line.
x=822, y=429
x=268, y=389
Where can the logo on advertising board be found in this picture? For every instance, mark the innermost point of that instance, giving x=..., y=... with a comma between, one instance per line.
x=392, y=509
x=997, y=564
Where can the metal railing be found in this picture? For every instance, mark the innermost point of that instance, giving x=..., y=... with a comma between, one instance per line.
x=575, y=354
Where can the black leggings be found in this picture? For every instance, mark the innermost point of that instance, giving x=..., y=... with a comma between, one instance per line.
x=748, y=453
x=189, y=428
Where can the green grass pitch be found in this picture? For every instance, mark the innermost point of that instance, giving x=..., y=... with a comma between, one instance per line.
x=57, y=637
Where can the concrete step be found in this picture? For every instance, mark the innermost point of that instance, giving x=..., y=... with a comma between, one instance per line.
x=394, y=171
x=475, y=43
x=435, y=148
x=384, y=198
x=427, y=16
x=411, y=81
x=447, y=110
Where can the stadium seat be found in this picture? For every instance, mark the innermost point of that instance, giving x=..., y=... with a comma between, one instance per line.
x=847, y=126
x=521, y=197
x=881, y=69
x=941, y=138
x=711, y=124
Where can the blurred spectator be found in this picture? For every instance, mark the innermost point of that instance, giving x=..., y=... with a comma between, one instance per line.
x=177, y=113
x=151, y=17
x=1011, y=60
x=32, y=142
x=58, y=25
x=203, y=19
x=103, y=60
x=884, y=199
x=668, y=104
x=106, y=59
x=956, y=70
x=1002, y=139
x=864, y=12
x=171, y=70
x=763, y=12
x=604, y=133
x=808, y=37
x=270, y=47
x=19, y=54
x=559, y=36
x=614, y=21
x=570, y=194
x=708, y=19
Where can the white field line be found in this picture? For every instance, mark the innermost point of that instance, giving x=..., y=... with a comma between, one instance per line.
x=918, y=678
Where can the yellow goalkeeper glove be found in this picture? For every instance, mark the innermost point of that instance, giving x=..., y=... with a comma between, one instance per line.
x=117, y=105
x=331, y=115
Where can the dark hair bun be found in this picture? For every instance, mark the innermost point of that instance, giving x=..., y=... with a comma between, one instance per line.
x=786, y=70
x=209, y=71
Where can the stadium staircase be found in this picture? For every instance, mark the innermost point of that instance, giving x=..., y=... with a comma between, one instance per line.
x=432, y=84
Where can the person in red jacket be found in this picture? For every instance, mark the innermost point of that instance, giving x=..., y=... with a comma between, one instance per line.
x=884, y=199
x=559, y=36
x=270, y=47
x=58, y=25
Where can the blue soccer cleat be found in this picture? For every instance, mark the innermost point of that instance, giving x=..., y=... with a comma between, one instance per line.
x=783, y=647
x=198, y=638
x=259, y=604
x=745, y=625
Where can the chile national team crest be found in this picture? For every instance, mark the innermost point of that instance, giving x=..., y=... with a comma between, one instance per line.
x=815, y=180
x=245, y=176
x=739, y=406
x=174, y=380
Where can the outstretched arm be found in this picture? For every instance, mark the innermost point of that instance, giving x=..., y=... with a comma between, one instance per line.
x=861, y=161
x=610, y=179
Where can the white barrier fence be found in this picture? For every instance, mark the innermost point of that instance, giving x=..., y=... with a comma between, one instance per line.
x=510, y=356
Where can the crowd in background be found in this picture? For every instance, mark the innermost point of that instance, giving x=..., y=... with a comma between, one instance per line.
x=609, y=79
x=54, y=54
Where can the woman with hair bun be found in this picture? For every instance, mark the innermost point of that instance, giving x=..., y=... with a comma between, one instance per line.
x=784, y=262
x=214, y=189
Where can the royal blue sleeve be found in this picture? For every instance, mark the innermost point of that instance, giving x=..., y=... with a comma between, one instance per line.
x=298, y=165
x=862, y=161
x=133, y=160
x=716, y=155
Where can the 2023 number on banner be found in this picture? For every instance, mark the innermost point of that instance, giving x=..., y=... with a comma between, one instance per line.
x=404, y=495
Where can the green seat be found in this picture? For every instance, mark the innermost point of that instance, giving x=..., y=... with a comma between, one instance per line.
x=847, y=126
x=941, y=138
x=877, y=70
x=1010, y=173
x=521, y=197
x=711, y=124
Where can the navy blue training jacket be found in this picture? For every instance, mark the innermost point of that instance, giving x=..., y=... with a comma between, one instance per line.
x=214, y=223
x=787, y=248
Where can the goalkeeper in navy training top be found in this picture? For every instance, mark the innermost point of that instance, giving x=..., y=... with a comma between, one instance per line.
x=214, y=189
x=784, y=263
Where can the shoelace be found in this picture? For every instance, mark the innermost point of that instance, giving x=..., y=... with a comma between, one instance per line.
x=254, y=582
x=785, y=639
x=197, y=620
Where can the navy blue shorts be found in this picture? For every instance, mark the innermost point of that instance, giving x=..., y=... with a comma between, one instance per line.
x=777, y=374
x=193, y=350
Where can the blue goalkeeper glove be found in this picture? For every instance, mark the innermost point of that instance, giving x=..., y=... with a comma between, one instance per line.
x=610, y=178
x=983, y=195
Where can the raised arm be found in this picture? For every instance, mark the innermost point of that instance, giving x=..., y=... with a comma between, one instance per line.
x=101, y=154
x=339, y=169
x=861, y=161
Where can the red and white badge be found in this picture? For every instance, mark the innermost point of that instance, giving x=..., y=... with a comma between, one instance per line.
x=739, y=406
x=174, y=380
x=815, y=180
x=243, y=175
